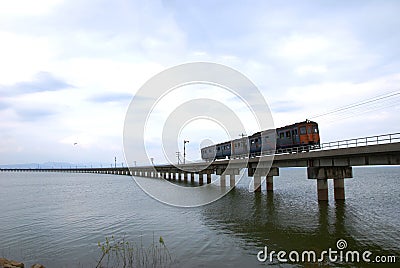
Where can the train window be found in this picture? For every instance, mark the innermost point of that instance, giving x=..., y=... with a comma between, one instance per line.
x=303, y=130
x=288, y=134
x=209, y=150
x=295, y=132
x=309, y=130
x=218, y=148
x=281, y=135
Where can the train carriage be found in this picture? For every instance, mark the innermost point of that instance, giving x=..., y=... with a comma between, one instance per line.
x=255, y=144
x=240, y=147
x=303, y=134
x=268, y=138
x=296, y=137
x=208, y=153
x=224, y=150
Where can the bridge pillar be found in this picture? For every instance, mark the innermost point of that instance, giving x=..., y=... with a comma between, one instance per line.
x=231, y=172
x=337, y=173
x=185, y=177
x=270, y=183
x=232, y=181
x=257, y=182
x=208, y=177
x=273, y=171
x=222, y=180
x=322, y=188
x=338, y=185
x=201, y=178
x=257, y=173
x=192, y=177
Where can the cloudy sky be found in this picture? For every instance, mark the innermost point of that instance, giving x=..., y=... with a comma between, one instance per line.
x=69, y=69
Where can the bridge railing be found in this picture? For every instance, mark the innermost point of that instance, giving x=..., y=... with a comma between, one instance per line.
x=372, y=140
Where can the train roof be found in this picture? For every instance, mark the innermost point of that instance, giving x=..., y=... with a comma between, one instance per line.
x=300, y=123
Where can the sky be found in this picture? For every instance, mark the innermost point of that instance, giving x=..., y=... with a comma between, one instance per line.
x=69, y=69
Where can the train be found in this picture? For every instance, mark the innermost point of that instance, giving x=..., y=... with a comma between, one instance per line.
x=297, y=137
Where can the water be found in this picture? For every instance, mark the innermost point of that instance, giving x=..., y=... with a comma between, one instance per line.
x=57, y=219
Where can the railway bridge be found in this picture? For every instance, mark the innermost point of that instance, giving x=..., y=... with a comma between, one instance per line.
x=334, y=160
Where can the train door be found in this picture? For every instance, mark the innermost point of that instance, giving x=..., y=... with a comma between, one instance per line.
x=303, y=140
x=295, y=137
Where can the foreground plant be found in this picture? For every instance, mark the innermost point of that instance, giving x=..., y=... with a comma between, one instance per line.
x=122, y=253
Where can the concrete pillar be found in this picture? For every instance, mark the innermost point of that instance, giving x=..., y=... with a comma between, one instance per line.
x=208, y=177
x=337, y=173
x=201, y=179
x=192, y=177
x=232, y=180
x=322, y=188
x=223, y=180
x=338, y=185
x=257, y=183
x=270, y=183
x=185, y=177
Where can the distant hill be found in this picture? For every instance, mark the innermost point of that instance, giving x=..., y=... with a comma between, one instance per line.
x=54, y=165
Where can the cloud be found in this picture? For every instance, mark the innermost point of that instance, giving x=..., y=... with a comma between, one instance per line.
x=285, y=107
x=4, y=105
x=111, y=97
x=304, y=57
x=35, y=114
x=43, y=81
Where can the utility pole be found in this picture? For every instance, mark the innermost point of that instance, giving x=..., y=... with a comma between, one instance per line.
x=242, y=135
x=152, y=160
x=184, y=150
x=177, y=155
x=115, y=162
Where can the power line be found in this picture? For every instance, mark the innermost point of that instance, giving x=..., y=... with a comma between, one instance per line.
x=358, y=104
x=344, y=116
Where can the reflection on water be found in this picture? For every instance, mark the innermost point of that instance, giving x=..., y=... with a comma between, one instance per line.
x=282, y=222
x=57, y=219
